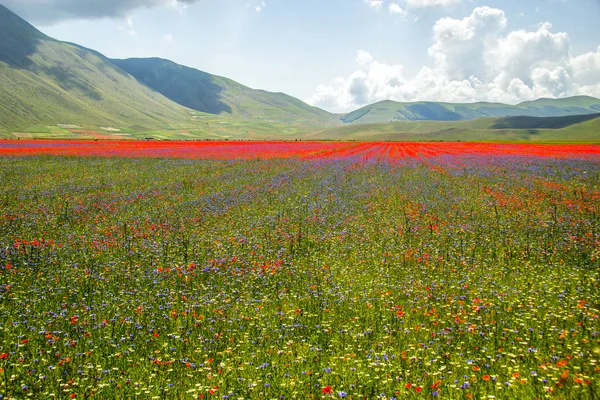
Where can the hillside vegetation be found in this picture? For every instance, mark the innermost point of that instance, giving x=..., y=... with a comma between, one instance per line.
x=45, y=81
x=390, y=111
x=218, y=95
x=580, y=128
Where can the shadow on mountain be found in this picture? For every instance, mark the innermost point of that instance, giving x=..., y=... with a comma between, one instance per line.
x=71, y=82
x=18, y=39
x=19, y=42
x=534, y=123
x=433, y=112
x=187, y=86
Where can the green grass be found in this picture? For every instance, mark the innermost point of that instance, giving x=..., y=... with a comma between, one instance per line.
x=218, y=128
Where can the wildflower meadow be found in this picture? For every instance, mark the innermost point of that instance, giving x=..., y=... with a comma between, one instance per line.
x=230, y=270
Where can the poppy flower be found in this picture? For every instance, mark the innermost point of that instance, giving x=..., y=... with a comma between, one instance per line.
x=327, y=390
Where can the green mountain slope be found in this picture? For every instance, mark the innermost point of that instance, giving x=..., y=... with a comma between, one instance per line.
x=581, y=128
x=388, y=111
x=217, y=95
x=45, y=81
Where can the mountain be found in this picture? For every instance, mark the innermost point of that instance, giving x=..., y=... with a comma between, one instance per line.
x=45, y=81
x=387, y=111
x=542, y=129
x=218, y=95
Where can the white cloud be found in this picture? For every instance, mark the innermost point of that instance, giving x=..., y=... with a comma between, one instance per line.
x=586, y=68
x=258, y=7
x=459, y=47
x=473, y=59
x=129, y=28
x=395, y=8
x=363, y=58
x=401, y=6
x=374, y=3
x=48, y=12
x=167, y=38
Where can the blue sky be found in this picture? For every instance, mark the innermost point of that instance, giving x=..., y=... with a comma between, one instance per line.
x=341, y=54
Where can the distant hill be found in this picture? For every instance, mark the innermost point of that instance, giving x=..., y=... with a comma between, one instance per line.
x=218, y=95
x=45, y=81
x=389, y=111
x=569, y=128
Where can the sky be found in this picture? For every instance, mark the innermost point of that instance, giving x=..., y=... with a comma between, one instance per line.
x=343, y=54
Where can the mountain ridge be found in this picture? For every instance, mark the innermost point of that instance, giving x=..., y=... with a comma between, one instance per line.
x=46, y=81
x=389, y=110
x=216, y=94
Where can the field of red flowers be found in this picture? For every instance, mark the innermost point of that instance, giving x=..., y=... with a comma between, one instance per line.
x=299, y=270
x=264, y=150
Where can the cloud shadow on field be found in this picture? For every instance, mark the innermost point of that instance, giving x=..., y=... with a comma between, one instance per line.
x=18, y=39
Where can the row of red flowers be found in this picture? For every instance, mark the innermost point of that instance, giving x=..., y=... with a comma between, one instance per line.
x=255, y=150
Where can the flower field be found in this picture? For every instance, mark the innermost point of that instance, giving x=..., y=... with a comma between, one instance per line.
x=264, y=270
x=264, y=150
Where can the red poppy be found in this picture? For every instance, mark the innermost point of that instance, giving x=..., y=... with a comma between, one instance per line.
x=327, y=390
x=3, y=356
